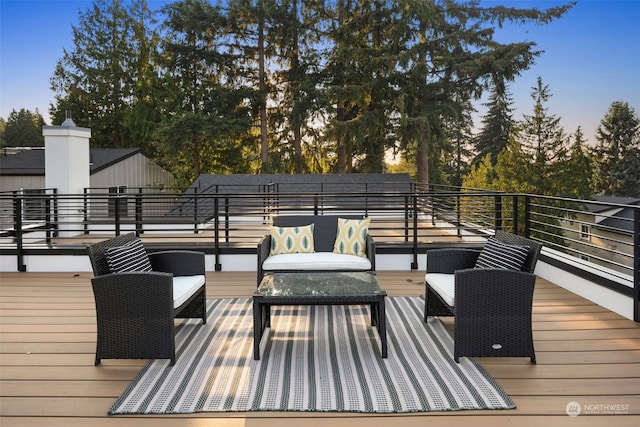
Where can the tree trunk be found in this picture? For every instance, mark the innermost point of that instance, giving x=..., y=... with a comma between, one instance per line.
x=423, y=163
x=264, y=141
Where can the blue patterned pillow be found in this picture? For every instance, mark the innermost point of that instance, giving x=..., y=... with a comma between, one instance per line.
x=496, y=254
x=129, y=257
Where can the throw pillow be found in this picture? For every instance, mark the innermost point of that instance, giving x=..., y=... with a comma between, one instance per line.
x=352, y=236
x=129, y=257
x=497, y=254
x=291, y=240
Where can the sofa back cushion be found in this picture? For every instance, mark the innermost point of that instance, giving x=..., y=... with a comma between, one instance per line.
x=291, y=240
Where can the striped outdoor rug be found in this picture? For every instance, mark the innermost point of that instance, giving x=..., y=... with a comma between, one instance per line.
x=323, y=358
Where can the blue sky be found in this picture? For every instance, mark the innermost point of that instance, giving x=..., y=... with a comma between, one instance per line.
x=591, y=56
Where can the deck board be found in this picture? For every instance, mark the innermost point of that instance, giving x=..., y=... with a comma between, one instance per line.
x=47, y=340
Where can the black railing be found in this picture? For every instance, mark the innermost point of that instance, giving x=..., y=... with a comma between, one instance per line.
x=598, y=237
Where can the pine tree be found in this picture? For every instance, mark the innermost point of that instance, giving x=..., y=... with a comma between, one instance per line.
x=449, y=56
x=24, y=129
x=618, y=152
x=99, y=79
x=496, y=125
x=206, y=112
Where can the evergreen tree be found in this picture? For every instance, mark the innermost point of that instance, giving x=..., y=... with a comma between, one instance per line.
x=496, y=125
x=100, y=79
x=206, y=111
x=24, y=129
x=618, y=152
x=543, y=139
x=540, y=133
x=576, y=173
x=449, y=55
x=3, y=128
x=297, y=83
x=360, y=66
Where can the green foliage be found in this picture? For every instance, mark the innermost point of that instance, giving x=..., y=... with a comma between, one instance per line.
x=107, y=79
x=618, y=152
x=290, y=86
x=497, y=125
x=24, y=129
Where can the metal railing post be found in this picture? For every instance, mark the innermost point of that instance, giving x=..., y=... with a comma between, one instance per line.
x=47, y=219
x=514, y=214
x=527, y=216
x=216, y=233
x=85, y=211
x=414, y=263
x=406, y=216
x=138, y=208
x=17, y=216
x=636, y=264
x=497, y=206
x=116, y=216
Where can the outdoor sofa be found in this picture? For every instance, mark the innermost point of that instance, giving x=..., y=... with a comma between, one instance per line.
x=308, y=243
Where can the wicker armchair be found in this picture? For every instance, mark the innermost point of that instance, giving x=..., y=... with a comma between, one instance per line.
x=135, y=310
x=492, y=307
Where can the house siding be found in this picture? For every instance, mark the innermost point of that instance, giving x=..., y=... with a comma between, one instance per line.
x=134, y=171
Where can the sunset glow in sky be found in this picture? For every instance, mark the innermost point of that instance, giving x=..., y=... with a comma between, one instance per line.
x=591, y=56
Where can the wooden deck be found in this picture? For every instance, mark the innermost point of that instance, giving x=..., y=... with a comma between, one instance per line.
x=585, y=354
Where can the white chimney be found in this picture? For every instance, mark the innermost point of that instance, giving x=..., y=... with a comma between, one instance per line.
x=66, y=149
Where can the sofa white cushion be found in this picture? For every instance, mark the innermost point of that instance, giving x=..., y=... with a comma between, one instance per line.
x=184, y=287
x=444, y=285
x=316, y=261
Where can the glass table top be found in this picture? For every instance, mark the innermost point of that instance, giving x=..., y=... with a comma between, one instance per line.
x=319, y=284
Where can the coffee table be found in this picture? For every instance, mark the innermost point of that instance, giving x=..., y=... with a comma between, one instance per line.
x=318, y=288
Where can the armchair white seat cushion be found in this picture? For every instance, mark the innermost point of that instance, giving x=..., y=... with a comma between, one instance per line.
x=316, y=261
x=444, y=285
x=184, y=287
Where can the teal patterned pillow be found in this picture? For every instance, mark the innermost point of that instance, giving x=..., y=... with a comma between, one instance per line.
x=291, y=240
x=352, y=236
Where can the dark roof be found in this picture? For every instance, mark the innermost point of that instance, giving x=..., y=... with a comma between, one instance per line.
x=331, y=185
x=31, y=162
x=620, y=218
x=300, y=183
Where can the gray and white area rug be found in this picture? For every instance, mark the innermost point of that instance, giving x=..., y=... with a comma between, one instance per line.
x=322, y=358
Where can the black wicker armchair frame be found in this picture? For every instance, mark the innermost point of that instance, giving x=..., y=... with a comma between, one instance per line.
x=135, y=310
x=492, y=306
x=324, y=237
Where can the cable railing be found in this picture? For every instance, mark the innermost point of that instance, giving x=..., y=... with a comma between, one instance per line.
x=595, y=235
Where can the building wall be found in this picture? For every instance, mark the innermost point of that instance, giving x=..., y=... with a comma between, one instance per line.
x=13, y=183
x=135, y=171
x=605, y=248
